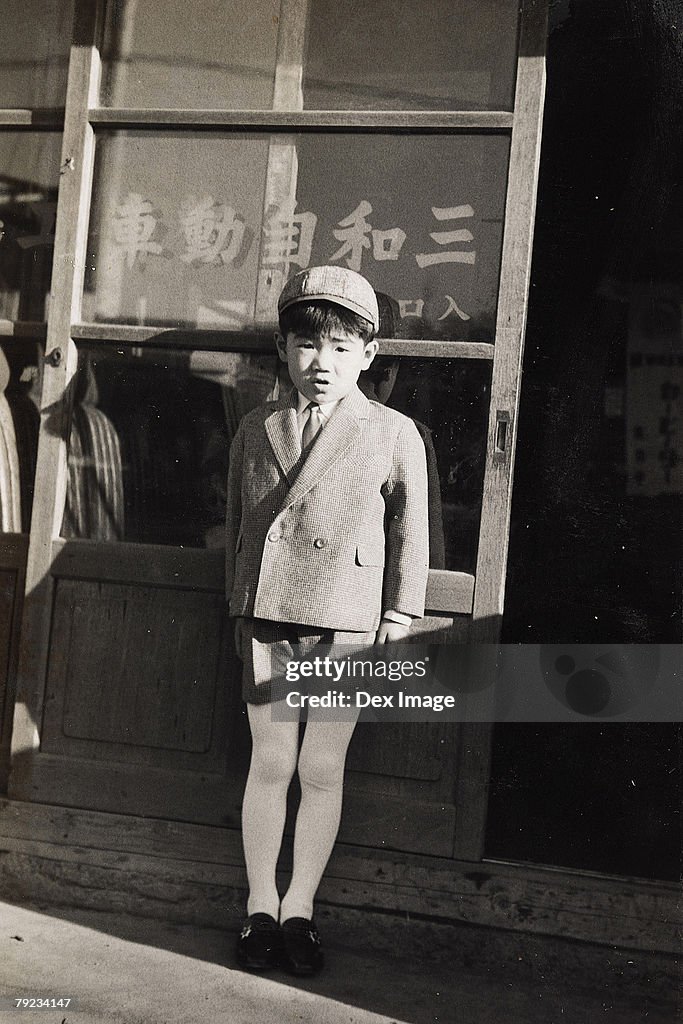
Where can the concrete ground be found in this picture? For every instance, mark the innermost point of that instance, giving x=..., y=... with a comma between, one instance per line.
x=119, y=969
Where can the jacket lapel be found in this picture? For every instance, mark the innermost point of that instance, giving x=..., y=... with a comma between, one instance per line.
x=283, y=434
x=332, y=441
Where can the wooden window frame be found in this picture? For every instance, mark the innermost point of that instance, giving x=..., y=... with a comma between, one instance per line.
x=83, y=119
x=29, y=119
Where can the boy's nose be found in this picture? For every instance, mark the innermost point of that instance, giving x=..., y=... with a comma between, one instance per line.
x=322, y=360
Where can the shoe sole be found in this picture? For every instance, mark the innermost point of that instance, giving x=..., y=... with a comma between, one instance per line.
x=300, y=971
x=268, y=963
x=257, y=968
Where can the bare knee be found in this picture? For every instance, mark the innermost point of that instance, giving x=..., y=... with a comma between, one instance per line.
x=321, y=769
x=272, y=764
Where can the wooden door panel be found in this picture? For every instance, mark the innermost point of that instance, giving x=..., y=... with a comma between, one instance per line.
x=140, y=674
x=209, y=798
x=135, y=665
x=391, y=822
x=403, y=750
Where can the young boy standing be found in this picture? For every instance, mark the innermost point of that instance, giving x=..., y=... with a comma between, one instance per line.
x=327, y=543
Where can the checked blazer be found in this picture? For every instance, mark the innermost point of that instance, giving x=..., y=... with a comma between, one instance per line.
x=334, y=538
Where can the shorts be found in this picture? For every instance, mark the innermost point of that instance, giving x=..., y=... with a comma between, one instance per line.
x=267, y=646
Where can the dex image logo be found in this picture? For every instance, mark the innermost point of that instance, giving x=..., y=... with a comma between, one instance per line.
x=600, y=680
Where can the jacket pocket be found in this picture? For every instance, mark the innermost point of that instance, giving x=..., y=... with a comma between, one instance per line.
x=369, y=554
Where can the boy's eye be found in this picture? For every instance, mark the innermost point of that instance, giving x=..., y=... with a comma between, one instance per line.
x=342, y=348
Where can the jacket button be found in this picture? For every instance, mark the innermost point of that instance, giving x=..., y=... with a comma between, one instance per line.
x=273, y=537
x=318, y=542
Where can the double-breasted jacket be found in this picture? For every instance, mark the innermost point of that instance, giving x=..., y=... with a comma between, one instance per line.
x=333, y=538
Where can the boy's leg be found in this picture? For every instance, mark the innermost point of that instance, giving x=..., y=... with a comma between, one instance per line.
x=273, y=761
x=264, y=808
x=321, y=773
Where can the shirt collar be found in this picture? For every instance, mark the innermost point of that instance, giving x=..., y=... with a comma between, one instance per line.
x=326, y=408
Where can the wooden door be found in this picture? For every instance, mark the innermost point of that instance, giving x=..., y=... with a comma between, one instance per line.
x=128, y=683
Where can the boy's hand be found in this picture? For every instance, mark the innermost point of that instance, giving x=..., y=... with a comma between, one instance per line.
x=239, y=637
x=391, y=632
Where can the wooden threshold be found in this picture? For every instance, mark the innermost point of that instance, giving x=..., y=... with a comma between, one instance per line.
x=190, y=868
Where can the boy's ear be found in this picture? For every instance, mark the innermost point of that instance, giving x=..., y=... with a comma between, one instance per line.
x=281, y=343
x=371, y=350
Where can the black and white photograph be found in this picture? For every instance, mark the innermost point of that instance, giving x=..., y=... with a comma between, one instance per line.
x=341, y=463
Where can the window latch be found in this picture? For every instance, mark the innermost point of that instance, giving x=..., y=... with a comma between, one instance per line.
x=54, y=357
x=502, y=433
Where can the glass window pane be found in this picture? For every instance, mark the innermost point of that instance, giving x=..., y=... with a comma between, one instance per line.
x=150, y=438
x=151, y=433
x=179, y=235
x=388, y=55
x=174, y=229
x=408, y=55
x=29, y=176
x=20, y=380
x=448, y=401
x=36, y=36
x=167, y=55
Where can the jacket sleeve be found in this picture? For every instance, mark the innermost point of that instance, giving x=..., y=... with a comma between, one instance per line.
x=407, y=526
x=233, y=516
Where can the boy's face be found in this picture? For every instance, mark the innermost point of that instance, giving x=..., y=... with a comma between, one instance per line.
x=326, y=368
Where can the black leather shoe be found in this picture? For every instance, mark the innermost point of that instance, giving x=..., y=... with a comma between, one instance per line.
x=301, y=952
x=259, y=944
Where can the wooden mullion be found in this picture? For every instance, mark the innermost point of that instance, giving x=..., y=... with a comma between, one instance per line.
x=32, y=329
x=161, y=566
x=436, y=349
x=51, y=471
x=511, y=321
x=282, y=166
x=288, y=94
x=303, y=120
x=39, y=118
x=195, y=339
x=172, y=567
x=476, y=739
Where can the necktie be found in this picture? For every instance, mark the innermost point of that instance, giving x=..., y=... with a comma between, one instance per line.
x=312, y=425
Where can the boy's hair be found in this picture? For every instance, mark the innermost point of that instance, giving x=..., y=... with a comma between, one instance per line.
x=311, y=319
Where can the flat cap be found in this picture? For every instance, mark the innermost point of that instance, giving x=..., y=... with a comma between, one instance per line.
x=334, y=284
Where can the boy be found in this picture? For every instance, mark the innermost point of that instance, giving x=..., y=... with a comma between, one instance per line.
x=327, y=542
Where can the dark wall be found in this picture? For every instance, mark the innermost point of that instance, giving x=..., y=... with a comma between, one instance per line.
x=588, y=562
